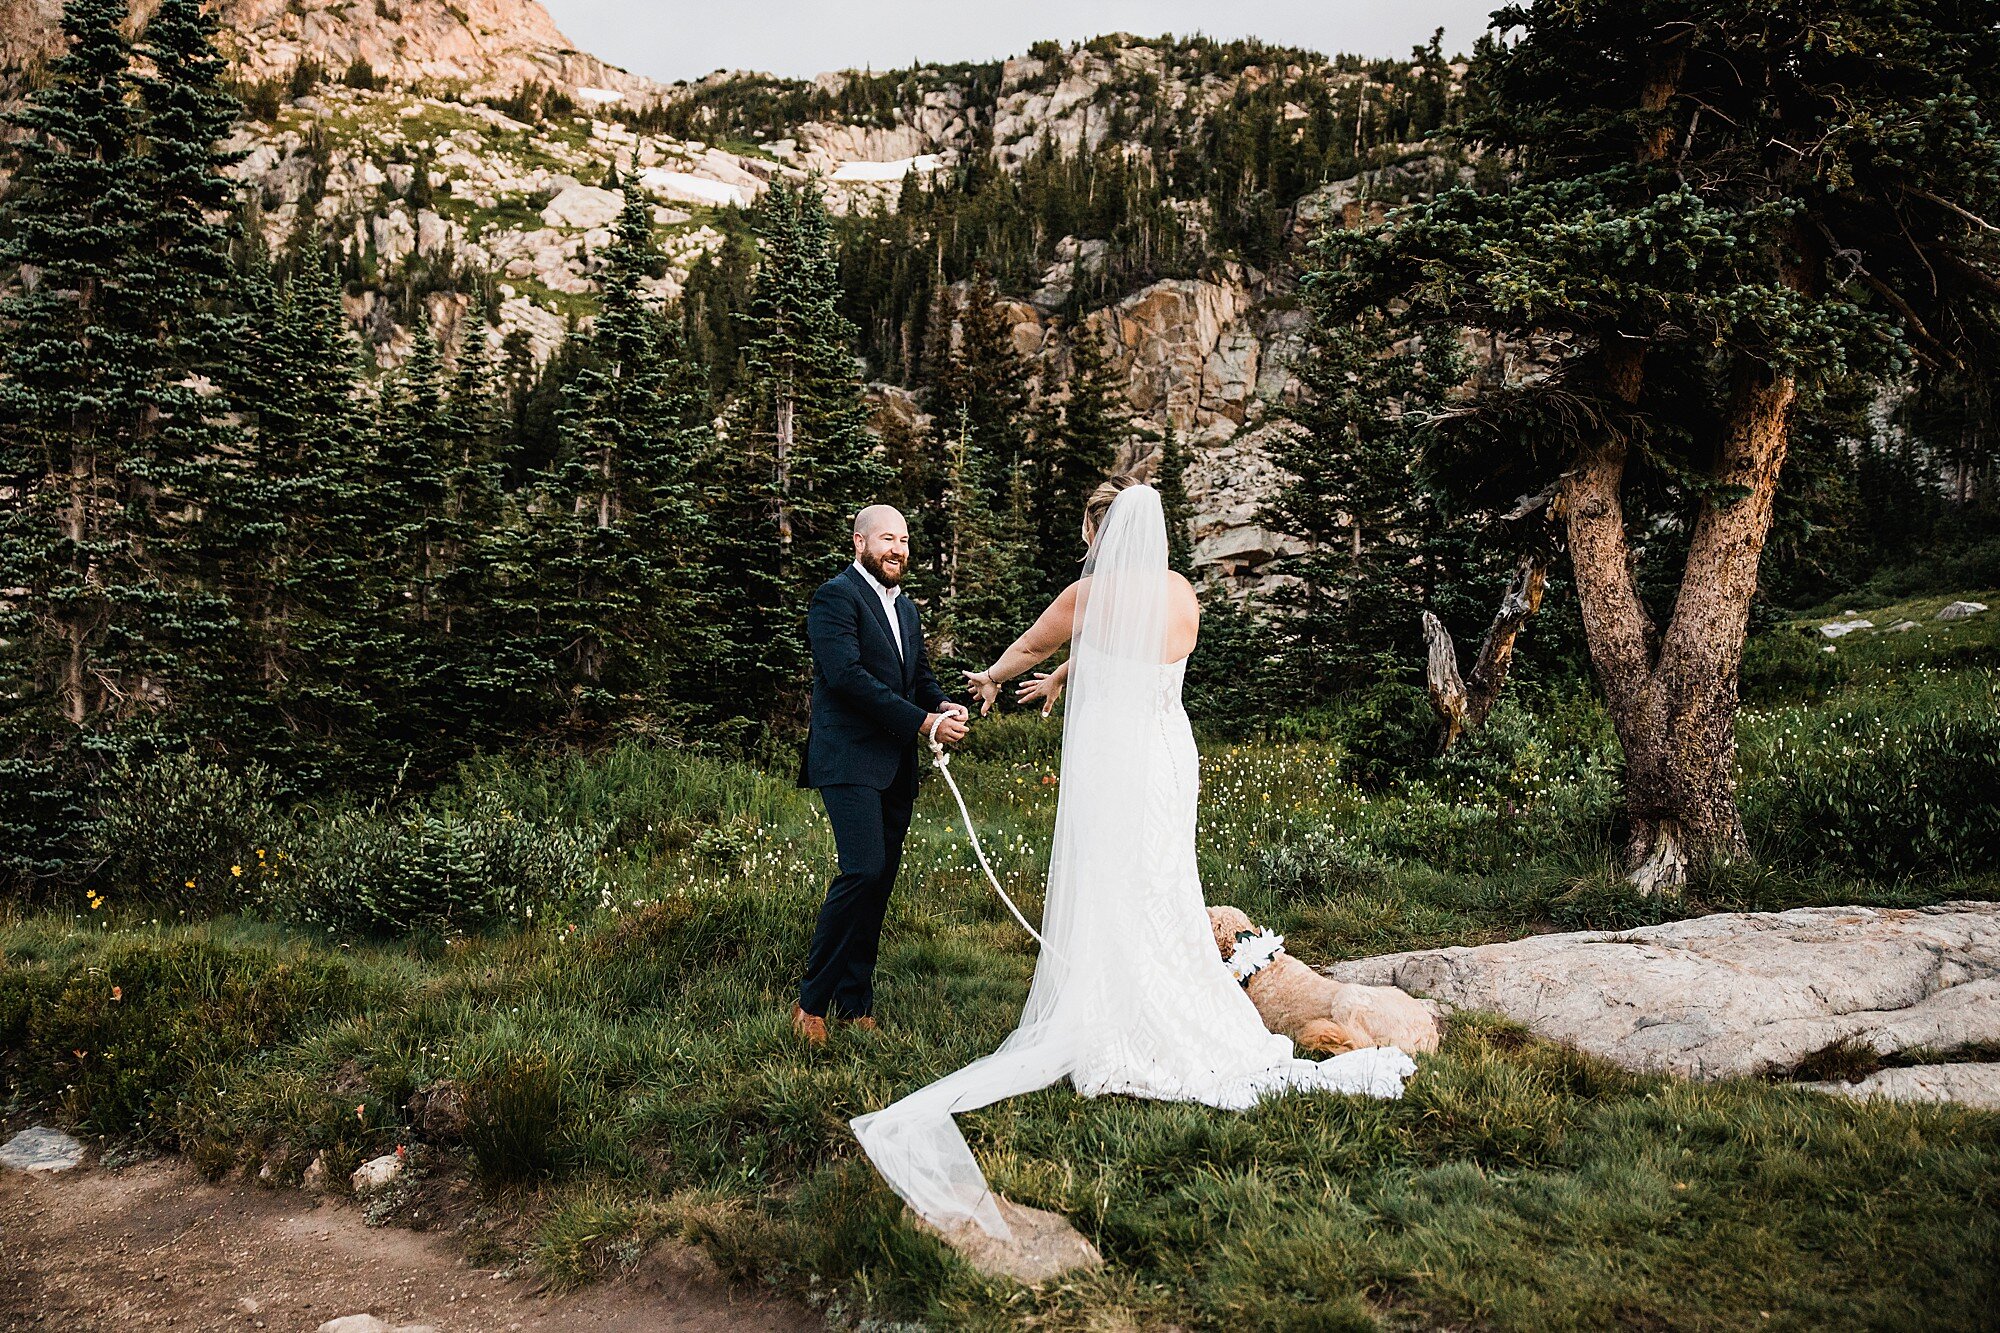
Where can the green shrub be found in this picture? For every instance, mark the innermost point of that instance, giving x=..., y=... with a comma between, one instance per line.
x=1385, y=731
x=184, y=832
x=437, y=867
x=643, y=797
x=1319, y=863
x=1011, y=737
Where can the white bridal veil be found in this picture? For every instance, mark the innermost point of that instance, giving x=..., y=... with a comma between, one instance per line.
x=1107, y=995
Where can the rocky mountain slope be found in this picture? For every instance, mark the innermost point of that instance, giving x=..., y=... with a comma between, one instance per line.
x=454, y=147
x=477, y=46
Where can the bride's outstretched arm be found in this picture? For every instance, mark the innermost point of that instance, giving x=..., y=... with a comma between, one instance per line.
x=1050, y=631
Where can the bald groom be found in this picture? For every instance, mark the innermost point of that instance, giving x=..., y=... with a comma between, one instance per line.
x=873, y=698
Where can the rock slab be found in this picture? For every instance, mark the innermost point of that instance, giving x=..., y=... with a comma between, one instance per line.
x=39, y=1148
x=1971, y=1084
x=1735, y=994
x=1044, y=1245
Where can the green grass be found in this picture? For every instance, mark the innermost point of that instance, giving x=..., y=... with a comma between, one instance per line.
x=630, y=1073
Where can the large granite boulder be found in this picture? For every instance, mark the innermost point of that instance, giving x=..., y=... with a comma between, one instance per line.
x=1736, y=994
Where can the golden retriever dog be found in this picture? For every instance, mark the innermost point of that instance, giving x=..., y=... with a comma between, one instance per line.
x=1320, y=1014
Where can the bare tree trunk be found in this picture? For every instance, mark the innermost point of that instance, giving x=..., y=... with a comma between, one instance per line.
x=1696, y=678
x=1617, y=627
x=1463, y=703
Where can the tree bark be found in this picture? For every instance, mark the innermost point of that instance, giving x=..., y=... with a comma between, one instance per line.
x=1463, y=704
x=1673, y=698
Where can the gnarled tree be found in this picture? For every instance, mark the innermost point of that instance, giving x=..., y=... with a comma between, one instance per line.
x=1715, y=207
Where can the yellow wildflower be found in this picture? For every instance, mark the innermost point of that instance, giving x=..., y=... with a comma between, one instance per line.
x=236, y=871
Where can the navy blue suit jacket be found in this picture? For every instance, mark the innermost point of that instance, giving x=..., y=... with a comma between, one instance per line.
x=868, y=700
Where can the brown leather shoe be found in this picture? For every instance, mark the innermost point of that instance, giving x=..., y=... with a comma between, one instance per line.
x=865, y=1023
x=810, y=1026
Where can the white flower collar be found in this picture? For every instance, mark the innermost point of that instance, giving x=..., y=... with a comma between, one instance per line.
x=1255, y=951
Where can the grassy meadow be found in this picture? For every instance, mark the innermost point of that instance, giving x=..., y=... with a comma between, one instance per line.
x=564, y=985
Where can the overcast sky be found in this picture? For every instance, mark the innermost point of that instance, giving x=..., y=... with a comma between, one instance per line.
x=675, y=39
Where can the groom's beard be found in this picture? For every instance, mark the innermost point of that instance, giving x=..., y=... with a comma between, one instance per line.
x=888, y=570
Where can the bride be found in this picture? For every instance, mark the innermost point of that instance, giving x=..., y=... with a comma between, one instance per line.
x=1129, y=995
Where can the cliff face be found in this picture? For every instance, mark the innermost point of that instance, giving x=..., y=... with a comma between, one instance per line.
x=480, y=46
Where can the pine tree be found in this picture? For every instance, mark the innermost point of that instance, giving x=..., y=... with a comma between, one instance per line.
x=179, y=288
x=1170, y=479
x=71, y=392
x=981, y=590
x=1079, y=449
x=1720, y=212
x=985, y=381
x=412, y=476
x=619, y=537
x=297, y=538
x=1378, y=549
x=468, y=435
x=798, y=461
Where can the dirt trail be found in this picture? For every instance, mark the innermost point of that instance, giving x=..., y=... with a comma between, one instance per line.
x=154, y=1246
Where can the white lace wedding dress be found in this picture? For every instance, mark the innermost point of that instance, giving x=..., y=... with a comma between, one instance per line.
x=1130, y=995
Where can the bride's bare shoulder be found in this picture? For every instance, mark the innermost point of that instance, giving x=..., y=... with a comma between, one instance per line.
x=1182, y=588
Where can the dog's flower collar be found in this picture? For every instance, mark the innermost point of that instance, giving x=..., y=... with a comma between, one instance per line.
x=1255, y=950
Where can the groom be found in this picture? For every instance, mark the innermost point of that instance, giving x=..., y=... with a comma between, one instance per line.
x=873, y=697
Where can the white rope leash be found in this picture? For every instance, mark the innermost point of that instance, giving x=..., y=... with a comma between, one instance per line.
x=942, y=760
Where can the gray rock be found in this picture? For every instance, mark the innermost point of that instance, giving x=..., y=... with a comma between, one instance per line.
x=1904, y=626
x=314, y=1177
x=39, y=1148
x=1044, y=1246
x=1960, y=610
x=368, y=1323
x=376, y=1174
x=583, y=206
x=1969, y=1084
x=1840, y=628
x=1736, y=994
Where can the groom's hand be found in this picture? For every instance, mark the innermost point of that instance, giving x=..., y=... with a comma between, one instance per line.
x=949, y=726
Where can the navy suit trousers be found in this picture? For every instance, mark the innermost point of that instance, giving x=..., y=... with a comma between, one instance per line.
x=868, y=830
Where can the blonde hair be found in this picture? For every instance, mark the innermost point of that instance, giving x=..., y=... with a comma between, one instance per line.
x=1099, y=503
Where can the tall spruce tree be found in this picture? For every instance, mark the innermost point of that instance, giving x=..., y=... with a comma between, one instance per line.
x=1170, y=479
x=798, y=460
x=74, y=625
x=961, y=490
x=180, y=289
x=1074, y=453
x=72, y=392
x=984, y=559
x=620, y=539
x=1379, y=546
x=297, y=538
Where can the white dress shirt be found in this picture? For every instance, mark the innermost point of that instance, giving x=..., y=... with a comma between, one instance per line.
x=888, y=596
